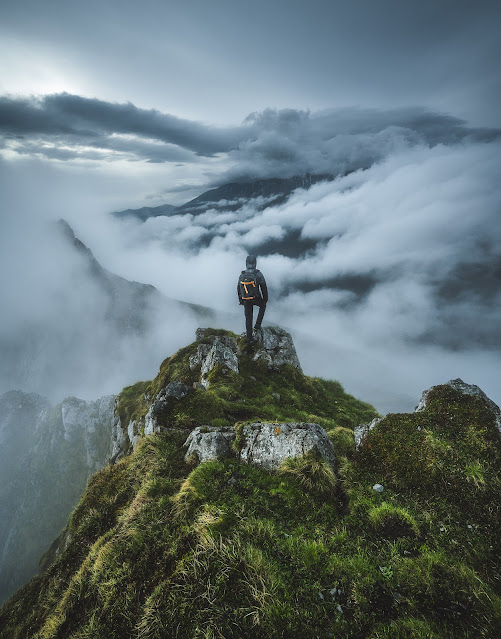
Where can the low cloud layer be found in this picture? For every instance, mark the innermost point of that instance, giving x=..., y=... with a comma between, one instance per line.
x=388, y=275
x=402, y=267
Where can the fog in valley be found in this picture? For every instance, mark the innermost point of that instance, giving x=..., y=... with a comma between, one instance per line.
x=386, y=273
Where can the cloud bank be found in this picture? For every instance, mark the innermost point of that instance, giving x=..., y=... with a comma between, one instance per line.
x=388, y=273
x=272, y=143
x=399, y=263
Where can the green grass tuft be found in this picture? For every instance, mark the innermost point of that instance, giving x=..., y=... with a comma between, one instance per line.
x=314, y=475
x=392, y=522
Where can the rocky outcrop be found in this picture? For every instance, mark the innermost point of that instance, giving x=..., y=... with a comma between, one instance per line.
x=465, y=389
x=207, y=443
x=362, y=430
x=221, y=351
x=263, y=444
x=47, y=454
x=215, y=351
x=276, y=348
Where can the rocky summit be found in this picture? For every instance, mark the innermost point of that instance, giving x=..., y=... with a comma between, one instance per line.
x=216, y=355
x=246, y=499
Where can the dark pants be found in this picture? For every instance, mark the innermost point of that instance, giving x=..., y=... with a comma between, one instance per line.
x=249, y=307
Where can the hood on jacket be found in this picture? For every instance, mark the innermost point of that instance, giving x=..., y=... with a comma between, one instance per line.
x=251, y=261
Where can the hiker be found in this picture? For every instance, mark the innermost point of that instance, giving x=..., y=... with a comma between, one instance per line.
x=252, y=291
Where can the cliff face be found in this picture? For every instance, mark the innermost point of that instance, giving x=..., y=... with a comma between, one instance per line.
x=194, y=532
x=47, y=454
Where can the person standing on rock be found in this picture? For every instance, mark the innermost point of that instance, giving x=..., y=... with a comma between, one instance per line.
x=252, y=291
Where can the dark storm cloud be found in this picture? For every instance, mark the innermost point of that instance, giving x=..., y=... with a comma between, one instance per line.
x=106, y=148
x=273, y=143
x=291, y=142
x=84, y=118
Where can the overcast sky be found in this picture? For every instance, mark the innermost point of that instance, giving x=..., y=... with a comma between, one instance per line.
x=108, y=106
x=217, y=61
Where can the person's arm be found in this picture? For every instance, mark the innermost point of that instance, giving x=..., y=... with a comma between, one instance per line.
x=238, y=292
x=264, y=288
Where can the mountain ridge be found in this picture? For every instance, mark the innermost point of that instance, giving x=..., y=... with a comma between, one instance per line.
x=399, y=540
x=231, y=196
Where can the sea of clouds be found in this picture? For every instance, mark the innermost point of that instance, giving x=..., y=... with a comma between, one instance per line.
x=419, y=229
x=387, y=275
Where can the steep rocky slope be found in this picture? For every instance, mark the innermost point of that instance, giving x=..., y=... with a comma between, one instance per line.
x=396, y=539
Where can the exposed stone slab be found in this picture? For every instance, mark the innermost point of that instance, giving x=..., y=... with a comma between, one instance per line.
x=219, y=355
x=268, y=445
x=263, y=444
x=174, y=389
x=221, y=351
x=153, y=417
x=209, y=443
x=197, y=358
x=275, y=347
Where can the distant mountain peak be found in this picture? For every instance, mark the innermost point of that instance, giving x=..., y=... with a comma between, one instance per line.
x=232, y=195
x=146, y=211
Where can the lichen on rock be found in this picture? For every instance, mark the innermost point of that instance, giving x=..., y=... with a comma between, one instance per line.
x=362, y=430
x=266, y=445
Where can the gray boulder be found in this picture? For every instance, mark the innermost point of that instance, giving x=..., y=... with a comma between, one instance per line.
x=263, y=444
x=198, y=358
x=219, y=355
x=221, y=351
x=174, y=389
x=275, y=347
x=209, y=443
x=268, y=445
x=465, y=389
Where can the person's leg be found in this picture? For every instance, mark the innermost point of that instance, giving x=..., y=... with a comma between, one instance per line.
x=260, y=315
x=248, y=306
